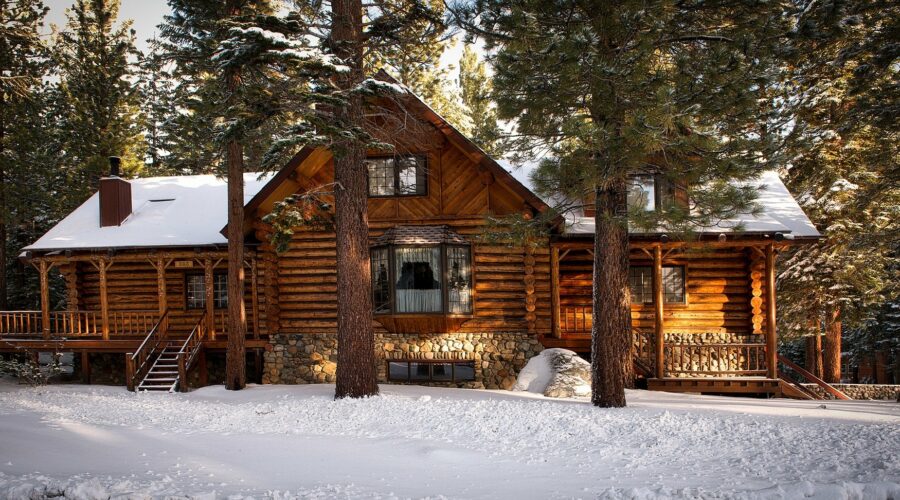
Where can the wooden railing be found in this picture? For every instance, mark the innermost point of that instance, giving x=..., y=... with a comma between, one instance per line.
x=575, y=320
x=74, y=324
x=715, y=359
x=644, y=348
x=20, y=323
x=187, y=355
x=138, y=363
x=828, y=388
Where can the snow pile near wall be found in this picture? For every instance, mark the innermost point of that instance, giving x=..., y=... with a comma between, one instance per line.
x=556, y=373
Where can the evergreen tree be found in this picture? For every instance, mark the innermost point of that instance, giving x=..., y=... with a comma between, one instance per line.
x=157, y=88
x=101, y=103
x=621, y=88
x=839, y=124
x=418, y=65
x=23, y=63
x=475, y=89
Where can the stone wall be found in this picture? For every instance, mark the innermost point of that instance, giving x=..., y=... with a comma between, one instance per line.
x=861, y=391
x=312, y=358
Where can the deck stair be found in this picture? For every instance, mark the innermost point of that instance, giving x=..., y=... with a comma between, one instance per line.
x=163, y=374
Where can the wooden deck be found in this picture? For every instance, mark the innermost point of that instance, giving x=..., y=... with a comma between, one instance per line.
x=718, y=385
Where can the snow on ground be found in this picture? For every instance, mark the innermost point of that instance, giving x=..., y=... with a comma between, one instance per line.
x=410, y=442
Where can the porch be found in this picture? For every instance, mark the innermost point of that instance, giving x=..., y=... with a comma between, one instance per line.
x=712, y=331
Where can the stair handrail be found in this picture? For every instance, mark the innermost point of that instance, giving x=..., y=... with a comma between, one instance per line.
x=189, y=350
x=138, y=362
x=830, y=389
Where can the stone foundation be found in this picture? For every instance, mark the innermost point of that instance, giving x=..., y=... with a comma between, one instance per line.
x=861, y=391
x=312, y=358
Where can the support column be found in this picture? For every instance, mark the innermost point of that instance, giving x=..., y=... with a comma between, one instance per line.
x=85, y=367
x=44, y=269
x=554, y=289
x=163, y=301
x=210, y=303
x=254, y=291
x=771, y=332
x=104, y=303
x=658, y=312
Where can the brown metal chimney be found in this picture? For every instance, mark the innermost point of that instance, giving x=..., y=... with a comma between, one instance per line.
x=115, y=196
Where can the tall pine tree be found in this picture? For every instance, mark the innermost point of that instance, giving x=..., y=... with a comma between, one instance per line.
x=839, y=124
x=101, y=103
x=475, y=90
x=615, y=89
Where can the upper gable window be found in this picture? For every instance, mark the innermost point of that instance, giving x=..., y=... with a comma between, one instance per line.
x=654, y=192
x=397, y=176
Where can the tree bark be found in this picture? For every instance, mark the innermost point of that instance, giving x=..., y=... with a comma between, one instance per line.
x=832, y=358
x=356, y=343
x=235, y=356
x=611, y=330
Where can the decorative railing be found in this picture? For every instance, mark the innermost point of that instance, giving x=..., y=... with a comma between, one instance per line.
x=20, y=323
x=187, y=355
x=123, y=323
x=739, y=359
x=826, y=387
x=138, y=363
x=575, y=320
x=644, y=349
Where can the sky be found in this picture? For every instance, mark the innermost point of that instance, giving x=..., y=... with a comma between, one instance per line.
x=147, y=14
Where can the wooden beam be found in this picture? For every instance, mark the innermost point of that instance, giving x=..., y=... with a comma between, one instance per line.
x=254, y=293
x=104, y=301
x=163, y=301
x=554, y=288
x=44, y=269
x=771, y=332
x=658, y=312
x=210, y=303
x=85, y=367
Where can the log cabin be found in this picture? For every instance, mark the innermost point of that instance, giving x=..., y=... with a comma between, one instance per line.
x=144, y=265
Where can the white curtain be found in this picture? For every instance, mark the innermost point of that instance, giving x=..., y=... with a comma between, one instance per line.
x=418, y=273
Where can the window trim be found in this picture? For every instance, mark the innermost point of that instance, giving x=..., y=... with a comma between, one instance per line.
x=187, y=277
x=684, y=285
x=445, y=289
x=397, y=193
x=430, y=380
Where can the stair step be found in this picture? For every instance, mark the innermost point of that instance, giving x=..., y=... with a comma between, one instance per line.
x=166, y=387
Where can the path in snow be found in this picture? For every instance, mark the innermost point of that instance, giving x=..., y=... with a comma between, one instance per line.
x=92, y=442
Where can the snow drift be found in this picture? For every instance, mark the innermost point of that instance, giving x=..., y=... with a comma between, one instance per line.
x=556, y=373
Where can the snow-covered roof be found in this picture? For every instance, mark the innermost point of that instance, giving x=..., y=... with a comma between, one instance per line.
x=178, y=211
x=780, y=212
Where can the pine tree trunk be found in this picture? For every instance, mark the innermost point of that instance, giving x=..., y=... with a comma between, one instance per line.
x=813, y=355
x=611, y=330
x=235, y=356
x=356, y=343
x=4, y=212
x=832, y=361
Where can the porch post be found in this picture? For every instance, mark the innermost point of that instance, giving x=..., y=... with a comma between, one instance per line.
x=554, y=288
x=658, y=311
x=210, y=304
x=161, y=292
x=104, y=303
x=771, y=332
x=254, y=290
x=44, y=268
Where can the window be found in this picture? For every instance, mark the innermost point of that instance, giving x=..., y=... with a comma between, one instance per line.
x=397, y=176
x=195, y=291
x=431, y=371
x=422, y=279
x=642, y=193
x=640, y=280
x=654, y=192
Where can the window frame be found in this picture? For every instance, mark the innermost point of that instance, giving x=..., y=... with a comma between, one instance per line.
x=445, y=277
x=397, y=193
x=430, y=380
x=659, y=181
x=187, y=278
x=684, y=286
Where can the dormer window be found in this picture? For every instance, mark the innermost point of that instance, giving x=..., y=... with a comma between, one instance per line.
x=402, y=175
x=654, y=192
x=422, y=270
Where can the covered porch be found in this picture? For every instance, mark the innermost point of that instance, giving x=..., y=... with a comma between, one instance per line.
x=703, y=313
